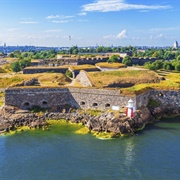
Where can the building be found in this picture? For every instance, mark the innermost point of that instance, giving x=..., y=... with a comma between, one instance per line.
x=175, y=45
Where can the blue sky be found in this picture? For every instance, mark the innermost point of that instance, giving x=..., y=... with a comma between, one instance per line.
x=89, y=22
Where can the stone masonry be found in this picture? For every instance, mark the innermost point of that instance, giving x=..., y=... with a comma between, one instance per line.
x=26, y=98
x=84, y=98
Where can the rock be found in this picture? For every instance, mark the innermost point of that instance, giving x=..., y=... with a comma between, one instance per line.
x=106, y=122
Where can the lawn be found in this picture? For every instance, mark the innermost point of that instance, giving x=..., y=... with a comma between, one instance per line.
x=122, y=79
x=83, y=67
x=110, y=65
x=45, y=79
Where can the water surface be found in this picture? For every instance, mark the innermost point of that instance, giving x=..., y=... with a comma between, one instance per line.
x=60, y=154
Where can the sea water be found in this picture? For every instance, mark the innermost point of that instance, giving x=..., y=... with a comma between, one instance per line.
x=60, y=153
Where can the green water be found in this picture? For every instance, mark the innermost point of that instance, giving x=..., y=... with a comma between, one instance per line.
x=59, y=153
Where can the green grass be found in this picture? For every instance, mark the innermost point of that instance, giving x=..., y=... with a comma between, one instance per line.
x=110, y=65
x=6, y=82
x=83, y=67
x=122, y=78
x=172, y=82
x=45, y=79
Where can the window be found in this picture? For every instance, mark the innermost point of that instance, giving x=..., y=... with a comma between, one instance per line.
x=82, y=103
x=44, y=103
x=95, y=104
x=26, y=104
x=107, y=105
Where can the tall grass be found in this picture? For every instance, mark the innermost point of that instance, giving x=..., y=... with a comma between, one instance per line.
x=104, y=79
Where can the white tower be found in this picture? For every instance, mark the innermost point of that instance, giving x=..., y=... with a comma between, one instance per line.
x=130, y=109
x=175, y=45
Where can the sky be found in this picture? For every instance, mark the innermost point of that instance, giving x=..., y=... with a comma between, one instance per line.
x=89, y=22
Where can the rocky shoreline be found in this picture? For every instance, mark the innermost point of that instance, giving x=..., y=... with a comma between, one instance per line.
x=115, y=123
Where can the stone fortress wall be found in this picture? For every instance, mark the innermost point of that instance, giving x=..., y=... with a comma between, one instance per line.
x=84, y=98
x=30, y=70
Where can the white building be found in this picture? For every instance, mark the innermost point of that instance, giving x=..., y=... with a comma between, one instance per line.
x=175, y=45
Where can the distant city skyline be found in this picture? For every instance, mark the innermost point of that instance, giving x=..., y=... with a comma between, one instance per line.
x=54, y=23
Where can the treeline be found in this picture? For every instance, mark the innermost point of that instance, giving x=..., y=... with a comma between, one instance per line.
x=20, y=64
x=167, y=65
x=34, y=54
x=164, y=54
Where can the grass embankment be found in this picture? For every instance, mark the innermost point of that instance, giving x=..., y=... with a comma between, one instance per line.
x=83, y=67
x=172, y=82
x=45, y=79
x=110, y=65
x=122, y=79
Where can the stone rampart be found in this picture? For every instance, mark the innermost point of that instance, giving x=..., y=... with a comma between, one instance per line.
x=30, y=70
x=75, y=97
x=85, y=98
x=142, y=61
x=163, y=98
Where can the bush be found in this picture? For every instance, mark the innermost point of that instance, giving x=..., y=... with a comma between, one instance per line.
x=127, y=61
x=113, y=58
x=168, y=66
x=177, y=67
x=16, y=67
x=69, y=74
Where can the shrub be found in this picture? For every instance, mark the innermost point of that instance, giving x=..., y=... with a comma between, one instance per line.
x=16, y=67
x=127, y=61
x=113, y=58
x=69, y=74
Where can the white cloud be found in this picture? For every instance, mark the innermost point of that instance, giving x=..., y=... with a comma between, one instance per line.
x=82, y=14
x=121, y=35
x=118, y=5
x=110, y=36
x=159, y=36
x=28, y=22
x=59, y=17
x=61, y=21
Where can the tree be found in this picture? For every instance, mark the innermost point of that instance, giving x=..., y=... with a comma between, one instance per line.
x=177, y=66
x=178, y=58
x=127, y=61
x=69, y=74
x=113, y=58
x=73, y=50
x=16, y=67
x=24, y=63
x=168, y=66
x=158, y=64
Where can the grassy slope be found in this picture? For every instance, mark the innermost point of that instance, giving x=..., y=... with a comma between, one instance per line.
x=172, y=82
x=110, y=65
x=105, y=79
x=83, y=67
x=46, y=79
